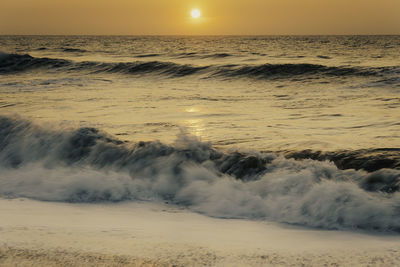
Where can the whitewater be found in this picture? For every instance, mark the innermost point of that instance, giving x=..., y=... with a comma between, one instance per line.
x=287, y=137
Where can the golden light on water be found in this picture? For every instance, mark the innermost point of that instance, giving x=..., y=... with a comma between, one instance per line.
x=195, y=13
x=192, y=110
x=195, y=126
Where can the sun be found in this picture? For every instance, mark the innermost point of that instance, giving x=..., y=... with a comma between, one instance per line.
x=195, y=13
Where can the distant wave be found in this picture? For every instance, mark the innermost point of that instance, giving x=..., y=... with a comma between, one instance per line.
x=323, y=57
x=217, y=55
x=147, y=55
x=202, y=56
x=187, y=55
x=73, y=50
x=88, y=165
x=10, y=63
x=14, y=63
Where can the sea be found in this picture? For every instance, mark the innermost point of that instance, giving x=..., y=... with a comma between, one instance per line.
x=303, y=130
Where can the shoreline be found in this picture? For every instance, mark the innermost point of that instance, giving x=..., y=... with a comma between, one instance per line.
x=34, y=233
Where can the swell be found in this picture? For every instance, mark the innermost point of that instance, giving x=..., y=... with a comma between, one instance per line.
x=289, y=70
x=88, y=165
x=11, y=63
x=73, y=50
x=14, y=63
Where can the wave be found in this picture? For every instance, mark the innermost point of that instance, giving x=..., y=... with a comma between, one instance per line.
x=202, y=56
x=73, y=50
x=88, y=165
x=148, y=55
x=266, y=71
x=11, y=63
x=323, y=57
x=217, y=55
x=14, y=63
x=365, y=159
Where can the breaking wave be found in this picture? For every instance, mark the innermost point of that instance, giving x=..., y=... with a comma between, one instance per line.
x=88, y=165
x=365, y=159
x=14, y=63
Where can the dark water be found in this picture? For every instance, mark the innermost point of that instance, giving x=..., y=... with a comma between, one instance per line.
x=303, y=130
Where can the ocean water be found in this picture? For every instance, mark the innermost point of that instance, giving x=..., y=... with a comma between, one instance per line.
x=295, y=129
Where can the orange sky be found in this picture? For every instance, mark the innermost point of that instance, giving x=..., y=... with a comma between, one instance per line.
x=148, y=17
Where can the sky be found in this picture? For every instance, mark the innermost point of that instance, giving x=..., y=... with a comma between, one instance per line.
x=172, y=17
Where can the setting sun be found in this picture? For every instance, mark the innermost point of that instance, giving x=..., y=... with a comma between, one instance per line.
x=196, y=13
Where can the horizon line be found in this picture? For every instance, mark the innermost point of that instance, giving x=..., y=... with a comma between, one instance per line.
x=200, y=35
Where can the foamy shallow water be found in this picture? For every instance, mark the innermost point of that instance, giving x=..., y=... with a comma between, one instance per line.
x=155, y=234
